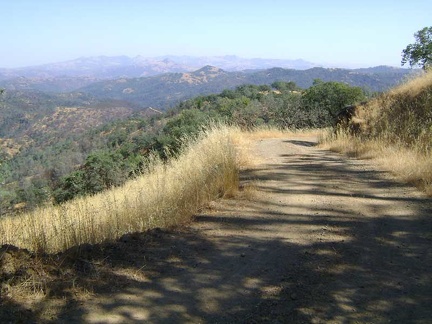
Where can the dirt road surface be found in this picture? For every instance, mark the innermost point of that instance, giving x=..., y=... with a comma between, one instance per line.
x=325, y=240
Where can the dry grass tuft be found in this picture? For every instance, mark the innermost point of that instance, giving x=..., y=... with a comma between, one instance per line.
x=249, y=190
x=167, y=195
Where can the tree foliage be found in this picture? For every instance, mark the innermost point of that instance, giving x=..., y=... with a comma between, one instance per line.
x=419, y=53
x=331, y=97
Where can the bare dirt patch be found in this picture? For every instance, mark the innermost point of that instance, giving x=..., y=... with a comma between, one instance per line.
x=324, y=240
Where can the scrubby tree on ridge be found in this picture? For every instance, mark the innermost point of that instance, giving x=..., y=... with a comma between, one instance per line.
x=419, y=53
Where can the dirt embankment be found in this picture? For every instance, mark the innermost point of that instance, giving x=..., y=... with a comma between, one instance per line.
x=325, y=240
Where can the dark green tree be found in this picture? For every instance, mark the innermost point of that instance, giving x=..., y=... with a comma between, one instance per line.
x=284, y=86
x=186, y=123
x=103, y=170
x=250, y=116
x=419, y=53
x=34, y=193
x=331, y=97
x=291, y=113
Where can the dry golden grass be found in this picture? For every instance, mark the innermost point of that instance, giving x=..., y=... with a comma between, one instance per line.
x=249, y=190
x=408, y=165
x=397, y=132
x=168, y=195
x=413, y=86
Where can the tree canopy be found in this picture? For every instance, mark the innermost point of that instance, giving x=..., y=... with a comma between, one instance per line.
x=419, y=53
x=332, y=96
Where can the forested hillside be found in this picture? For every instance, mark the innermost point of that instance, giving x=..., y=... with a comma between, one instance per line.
x=64, y=154
x=47, y=84
x=34, y=118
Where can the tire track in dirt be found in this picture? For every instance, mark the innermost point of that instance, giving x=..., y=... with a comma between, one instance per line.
x=326, y=240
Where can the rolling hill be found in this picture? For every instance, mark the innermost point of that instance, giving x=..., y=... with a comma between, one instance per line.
x=148, y=80
x=168, y=89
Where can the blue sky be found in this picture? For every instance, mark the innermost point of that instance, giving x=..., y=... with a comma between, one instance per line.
x=339, y=33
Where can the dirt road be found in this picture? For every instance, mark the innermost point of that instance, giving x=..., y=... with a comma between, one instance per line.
x=326, y=240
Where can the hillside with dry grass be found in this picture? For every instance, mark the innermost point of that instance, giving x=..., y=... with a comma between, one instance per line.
x=396, y=131
x=164, y=196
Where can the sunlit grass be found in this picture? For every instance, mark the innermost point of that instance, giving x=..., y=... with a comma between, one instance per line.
x=167, y=195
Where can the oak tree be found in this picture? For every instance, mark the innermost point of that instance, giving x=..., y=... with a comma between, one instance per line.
x=419, y=53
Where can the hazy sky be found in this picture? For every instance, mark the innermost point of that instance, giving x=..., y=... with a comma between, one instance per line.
x=332, y=32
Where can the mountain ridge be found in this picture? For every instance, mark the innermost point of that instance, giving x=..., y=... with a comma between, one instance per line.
x=125, y=66
x=168, y=89
x=81, y=72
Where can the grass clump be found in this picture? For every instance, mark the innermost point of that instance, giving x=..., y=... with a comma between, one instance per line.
x=168, y=194
x=396, y=132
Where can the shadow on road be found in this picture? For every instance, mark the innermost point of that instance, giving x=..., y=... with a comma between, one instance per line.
x=302, y=143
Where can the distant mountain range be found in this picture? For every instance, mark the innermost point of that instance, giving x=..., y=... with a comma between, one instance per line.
x=164, y=81
x=105, y=67
x=139, y=75
x=71, y=75
x=235, y=63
